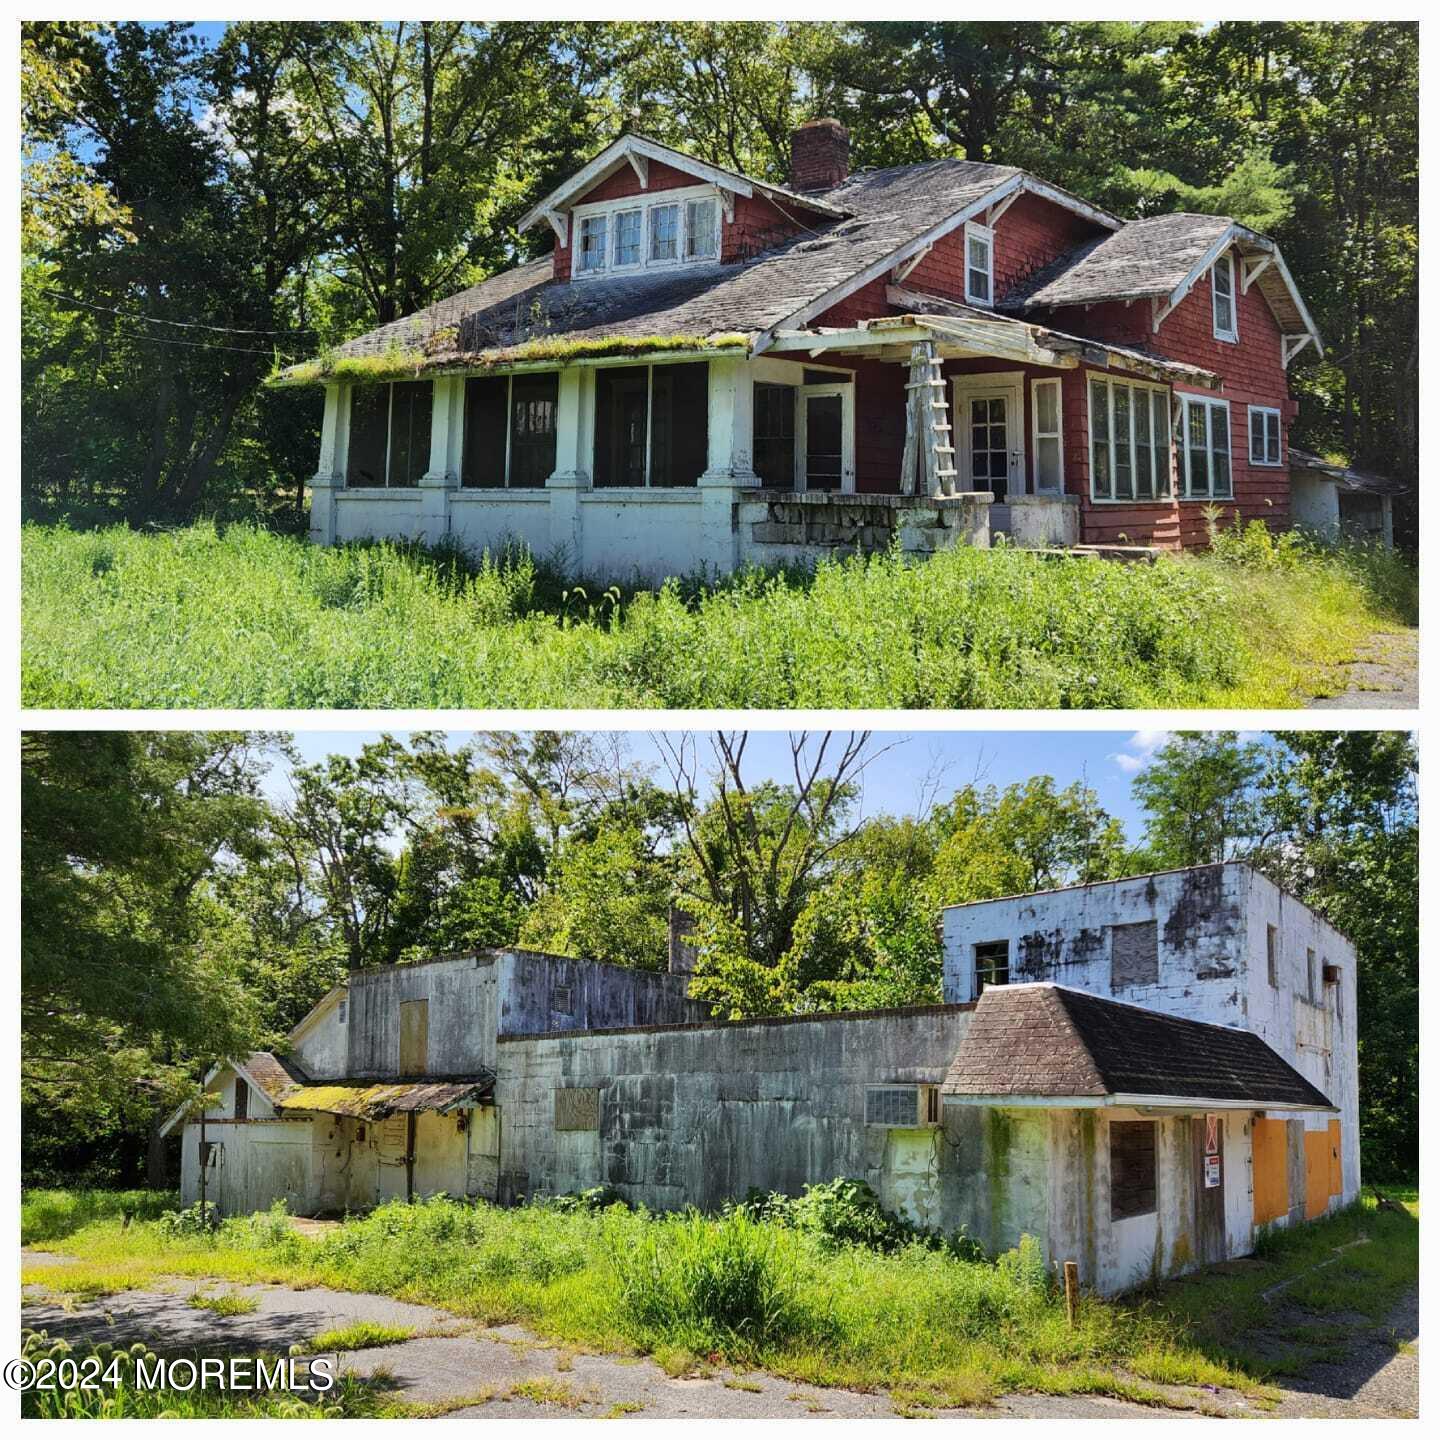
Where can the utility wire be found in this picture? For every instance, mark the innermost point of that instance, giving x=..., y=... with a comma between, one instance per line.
x=189, y=344
x=182, y=324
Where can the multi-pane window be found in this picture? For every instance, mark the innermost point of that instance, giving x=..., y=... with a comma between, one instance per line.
x=775, y=435
x=1129, y=441
x=638, y=233
x=593, y=232
x=510, y=430
x=902, y=1106
x=664, y=233
x=1132, y=1168
x=979, y=270
x=389, y=442
x=1222, y=298
x=1049, y=457
x=627, y=237
x=651, y=424
x=1207, y=448
x=702, y=234
x=1264, y=435
x=992, y=964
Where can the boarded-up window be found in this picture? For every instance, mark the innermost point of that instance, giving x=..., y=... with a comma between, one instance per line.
x=992, y=964
x=577, y=1109
x=1269, y=1170
x=1134, y=955
x=242, y=1100
x=1271, y=944
x=414, y=1036
x=1132, y=1168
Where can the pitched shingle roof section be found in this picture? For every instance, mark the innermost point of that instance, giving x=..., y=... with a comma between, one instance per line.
x=888, y=209
x=1143, y=258
x=274, y=1074
x=1049, y=1040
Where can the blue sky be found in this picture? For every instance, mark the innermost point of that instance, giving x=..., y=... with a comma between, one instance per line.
x=909, y=766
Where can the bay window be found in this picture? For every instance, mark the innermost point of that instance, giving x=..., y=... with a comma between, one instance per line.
x=1129, y=441
x=510, y=431
x=651, y=424
x=1264, y=435
x=389, y=442
x=1207, y=448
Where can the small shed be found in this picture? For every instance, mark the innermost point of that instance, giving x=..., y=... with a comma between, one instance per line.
x=1339, y=500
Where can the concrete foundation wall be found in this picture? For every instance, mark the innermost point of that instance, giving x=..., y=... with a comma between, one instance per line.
x=1044, y=520
x=700, y=1115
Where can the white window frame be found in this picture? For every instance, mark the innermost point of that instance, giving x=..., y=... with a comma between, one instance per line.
x=577, y=267
x=986, y=234
x=1210, y=405
x=603, y=490
x=681, y=198
x=1037, y=435
x=1267, y=411
x=615, y=263
x=1232, y=335
x=349, y=406
x=1157, y=450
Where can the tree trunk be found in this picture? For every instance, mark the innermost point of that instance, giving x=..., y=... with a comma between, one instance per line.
x=156, y=1176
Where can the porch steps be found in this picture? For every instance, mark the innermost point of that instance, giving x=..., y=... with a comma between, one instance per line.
x=924, y=432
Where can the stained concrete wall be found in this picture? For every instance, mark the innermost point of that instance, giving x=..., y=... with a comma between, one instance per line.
x=1067, y=936
x=702, y=1113
x=543, y=993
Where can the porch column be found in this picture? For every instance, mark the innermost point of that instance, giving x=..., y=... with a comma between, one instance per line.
x=442, y=476
x=574, y=449
x=730, y=468
x=330, y=473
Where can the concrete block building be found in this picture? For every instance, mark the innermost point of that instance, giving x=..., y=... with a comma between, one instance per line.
x=1142, y=1074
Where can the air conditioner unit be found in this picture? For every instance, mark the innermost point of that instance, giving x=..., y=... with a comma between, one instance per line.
x=902, y=1107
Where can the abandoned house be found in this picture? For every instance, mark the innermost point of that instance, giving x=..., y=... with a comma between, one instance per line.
x=1141, y=1074
x=712, y=370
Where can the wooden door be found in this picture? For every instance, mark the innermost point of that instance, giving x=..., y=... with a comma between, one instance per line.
x=989, y=418
x=1208, y=1147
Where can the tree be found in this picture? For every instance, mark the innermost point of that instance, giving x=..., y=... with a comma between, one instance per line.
x=1201, y=797
x=121, y=989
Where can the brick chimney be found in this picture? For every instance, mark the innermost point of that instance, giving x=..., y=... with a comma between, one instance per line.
x=819, y=155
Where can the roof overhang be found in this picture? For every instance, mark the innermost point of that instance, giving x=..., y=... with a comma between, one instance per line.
x=375, y=1101
x=1157, y=1104
x=637, y=151
x=966, y=332
x=1265, y=266
x=187, y=1108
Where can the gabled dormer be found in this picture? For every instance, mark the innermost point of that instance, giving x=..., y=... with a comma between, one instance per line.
x=641, y=208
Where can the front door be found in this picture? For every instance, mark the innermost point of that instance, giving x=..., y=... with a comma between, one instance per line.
x=821, y=459
x=992, y=450
x=1208, y=1139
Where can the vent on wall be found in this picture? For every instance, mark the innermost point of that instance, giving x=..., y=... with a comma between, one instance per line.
x=561, y=999
x=902, y=1107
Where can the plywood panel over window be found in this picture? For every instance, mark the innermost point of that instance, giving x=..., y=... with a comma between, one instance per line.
x=1134, y=955
x=1268, y=1170
x=1317, y=1173
x=1336, y=1187
x=414, y=1036
x=1132, y=1168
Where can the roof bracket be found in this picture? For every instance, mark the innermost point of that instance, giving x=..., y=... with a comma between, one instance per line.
x=1252, y=273
x=640, y=164
x=902, y=271
x=993, y=214
x=1292, y=346
x=559, y=224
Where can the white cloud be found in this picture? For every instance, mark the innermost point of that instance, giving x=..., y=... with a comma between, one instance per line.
x=1139, y=750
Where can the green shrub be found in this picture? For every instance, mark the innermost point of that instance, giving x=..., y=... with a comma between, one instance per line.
x=201, y=1218
x=51, y=1214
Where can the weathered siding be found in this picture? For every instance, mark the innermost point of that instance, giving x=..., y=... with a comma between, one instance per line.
x=321, y=1043
x=535, y=991
x=461, y=1016
x=699, y=1115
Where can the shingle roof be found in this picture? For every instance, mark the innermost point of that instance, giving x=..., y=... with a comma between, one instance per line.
x=1364, y=482
x=274, y=1074
x=372, y=1100
x=888, y=208
x=1050, y=1040
x=1143, y=258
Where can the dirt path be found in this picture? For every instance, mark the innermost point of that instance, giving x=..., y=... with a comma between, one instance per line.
x=1385, y=676
x=471, y=1370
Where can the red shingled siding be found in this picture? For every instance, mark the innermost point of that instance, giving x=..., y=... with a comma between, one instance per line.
x=624, y=182
x=1251, y=373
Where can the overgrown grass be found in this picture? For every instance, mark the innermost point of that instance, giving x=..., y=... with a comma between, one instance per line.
x=246, y=618
x=52, y=1214
x=226, y=1304
x=931, y=1327
x=362, y=1335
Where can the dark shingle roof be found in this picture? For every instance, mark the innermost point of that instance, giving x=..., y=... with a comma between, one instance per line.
x=1050, y=1040
x=1363, y=482
x=1143, y=258
x=888, y=208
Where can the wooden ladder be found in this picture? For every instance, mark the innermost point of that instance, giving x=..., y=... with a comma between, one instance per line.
x=927, y=424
